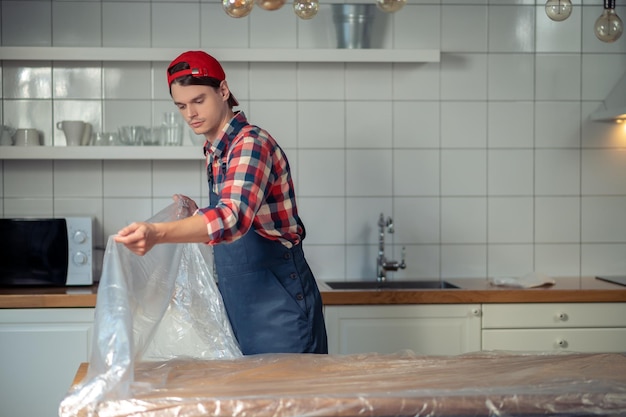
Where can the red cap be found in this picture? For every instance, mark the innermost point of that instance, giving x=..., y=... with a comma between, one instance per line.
x=201, y=64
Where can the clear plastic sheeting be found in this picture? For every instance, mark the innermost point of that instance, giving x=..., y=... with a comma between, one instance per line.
x=157, y=307
x=403, y=384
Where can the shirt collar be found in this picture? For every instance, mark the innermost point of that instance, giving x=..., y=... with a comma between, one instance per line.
x=229, y=132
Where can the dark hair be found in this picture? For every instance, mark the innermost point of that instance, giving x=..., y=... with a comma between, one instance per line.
x=191, y=80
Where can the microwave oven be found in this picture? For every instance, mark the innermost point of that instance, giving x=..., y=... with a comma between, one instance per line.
x=46, y=251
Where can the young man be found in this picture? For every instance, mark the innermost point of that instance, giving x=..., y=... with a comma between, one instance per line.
x=269, y=291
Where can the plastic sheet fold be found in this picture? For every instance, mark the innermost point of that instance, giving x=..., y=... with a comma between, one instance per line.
x=485, y=384
x=156, y=307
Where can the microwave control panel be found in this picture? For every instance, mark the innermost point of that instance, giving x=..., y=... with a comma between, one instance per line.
x=80, y=269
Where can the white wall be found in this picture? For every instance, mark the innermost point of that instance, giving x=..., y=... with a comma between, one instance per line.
x=487, y=160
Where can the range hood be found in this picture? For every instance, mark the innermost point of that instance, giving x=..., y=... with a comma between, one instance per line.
x=613, y=108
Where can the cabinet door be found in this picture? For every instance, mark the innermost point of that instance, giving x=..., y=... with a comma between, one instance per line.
x=573, y=340
x=555, y=315
x=40, y=350
x=425, y=329
x=576, y=327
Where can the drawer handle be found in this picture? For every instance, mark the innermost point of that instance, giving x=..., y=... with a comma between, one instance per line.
x=562, y=316
x=562, y=343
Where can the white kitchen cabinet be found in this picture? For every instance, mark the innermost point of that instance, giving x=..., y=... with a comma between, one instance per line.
x=442, y=329
x=576, y=327
x=40, y=350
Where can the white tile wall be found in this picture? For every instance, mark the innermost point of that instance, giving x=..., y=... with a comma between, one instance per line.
x=510, y=124
x=415, y=172
x=557, y=219
x=507, y=259
x=359, y=229
x=510, y=172
x=511, y=28
x=125, y=23
x=463, y=124
x=486, y=160
x=76, y=23
x=511, y=77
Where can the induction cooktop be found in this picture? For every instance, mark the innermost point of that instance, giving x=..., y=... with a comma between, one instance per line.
x=621, y=280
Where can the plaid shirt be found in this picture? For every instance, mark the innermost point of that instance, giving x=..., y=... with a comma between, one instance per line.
x=253, y=182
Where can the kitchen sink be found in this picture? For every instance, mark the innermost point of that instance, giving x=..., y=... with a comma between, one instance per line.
x=389, y=285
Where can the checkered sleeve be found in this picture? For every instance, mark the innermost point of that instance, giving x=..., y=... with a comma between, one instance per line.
x=242, y=189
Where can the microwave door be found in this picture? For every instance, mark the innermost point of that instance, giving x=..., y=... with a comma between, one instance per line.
x=33, y=252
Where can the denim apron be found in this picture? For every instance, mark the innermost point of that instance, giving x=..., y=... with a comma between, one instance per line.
x=270, y=294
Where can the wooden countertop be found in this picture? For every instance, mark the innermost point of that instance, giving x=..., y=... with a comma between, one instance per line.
x=478, y=291
x=48, y=297
x=471, y=291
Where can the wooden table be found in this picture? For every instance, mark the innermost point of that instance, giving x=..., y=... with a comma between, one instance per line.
x=285, y=385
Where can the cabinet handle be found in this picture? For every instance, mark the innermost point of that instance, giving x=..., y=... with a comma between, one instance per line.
x=562, y=316
x=476, y=312
x=562, y=343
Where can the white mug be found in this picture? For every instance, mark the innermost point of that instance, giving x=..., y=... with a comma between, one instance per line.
x=73, y=130
x=26, y=137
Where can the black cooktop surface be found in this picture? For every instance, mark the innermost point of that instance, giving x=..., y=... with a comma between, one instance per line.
x=621, y=280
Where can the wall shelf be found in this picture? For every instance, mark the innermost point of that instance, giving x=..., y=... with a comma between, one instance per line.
x=15, y=53
x=225, y=55
x=101, y=152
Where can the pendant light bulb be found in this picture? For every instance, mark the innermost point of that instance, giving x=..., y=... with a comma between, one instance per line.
x=558, y=10
x=237, y=8
x=270, y=4
x=390, y=6
x=609, y=26
x=306, y=9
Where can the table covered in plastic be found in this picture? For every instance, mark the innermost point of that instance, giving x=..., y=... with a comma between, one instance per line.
x=403, y=384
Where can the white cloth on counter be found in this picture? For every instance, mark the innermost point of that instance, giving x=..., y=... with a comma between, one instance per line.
x=533, y=279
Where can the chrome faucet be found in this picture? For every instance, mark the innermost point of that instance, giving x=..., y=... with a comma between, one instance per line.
x=382, y=264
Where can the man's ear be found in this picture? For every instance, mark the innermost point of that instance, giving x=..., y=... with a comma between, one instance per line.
x=224, y=90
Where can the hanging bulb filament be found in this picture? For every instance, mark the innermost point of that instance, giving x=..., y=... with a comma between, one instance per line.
x=558, y=10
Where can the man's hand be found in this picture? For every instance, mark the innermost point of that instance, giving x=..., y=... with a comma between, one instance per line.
x=139, y=237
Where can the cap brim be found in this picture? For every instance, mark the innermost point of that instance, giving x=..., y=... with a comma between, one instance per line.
x=232, y=100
